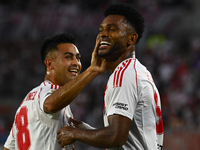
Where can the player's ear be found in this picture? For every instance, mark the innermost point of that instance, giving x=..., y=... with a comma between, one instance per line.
x=132, y=38
x=49, y=64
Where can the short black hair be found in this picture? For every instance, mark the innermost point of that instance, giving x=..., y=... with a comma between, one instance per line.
x=132, y=15
x=50, y=43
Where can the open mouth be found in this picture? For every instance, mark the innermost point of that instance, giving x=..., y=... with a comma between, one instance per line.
x=104, y=44
x=74, y=71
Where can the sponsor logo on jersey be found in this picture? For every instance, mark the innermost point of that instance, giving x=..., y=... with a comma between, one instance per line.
x=120, y=106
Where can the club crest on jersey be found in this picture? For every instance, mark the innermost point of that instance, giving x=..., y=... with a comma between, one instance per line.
x=49, y=93
x=120, y=106
x=52, y=90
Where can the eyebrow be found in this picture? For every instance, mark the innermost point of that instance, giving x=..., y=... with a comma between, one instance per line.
x=111, y=24
x=68, y=53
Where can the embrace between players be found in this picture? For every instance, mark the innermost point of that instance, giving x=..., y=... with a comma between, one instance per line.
x=132, y=107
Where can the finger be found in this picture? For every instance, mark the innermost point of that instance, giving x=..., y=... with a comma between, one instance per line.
x=104, y=60
x=59, y=141
x=72, y=120
x=61, y=145
x=58, y=136
x=97, y=45
x=75, y=122
x=58, y=132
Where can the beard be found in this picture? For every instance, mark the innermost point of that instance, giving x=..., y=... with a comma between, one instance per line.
x=113, y=53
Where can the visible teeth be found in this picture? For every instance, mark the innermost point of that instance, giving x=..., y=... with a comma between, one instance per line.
x=73, y=70
x=105, y=43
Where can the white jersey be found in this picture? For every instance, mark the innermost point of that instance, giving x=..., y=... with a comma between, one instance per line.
x=33, y=129
x=131, y=92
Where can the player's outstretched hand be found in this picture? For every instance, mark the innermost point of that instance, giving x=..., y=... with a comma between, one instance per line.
x=98, y=63
x=81, y=124
x=75, y=122
x=64, y=136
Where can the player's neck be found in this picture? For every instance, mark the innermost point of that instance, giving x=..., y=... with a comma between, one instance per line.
x=113, y=64
x=49, y=78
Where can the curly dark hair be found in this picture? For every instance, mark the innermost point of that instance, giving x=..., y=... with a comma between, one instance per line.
x=132, y=15
x=50, y=43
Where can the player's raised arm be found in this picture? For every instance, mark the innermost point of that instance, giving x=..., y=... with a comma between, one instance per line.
x=65, y=95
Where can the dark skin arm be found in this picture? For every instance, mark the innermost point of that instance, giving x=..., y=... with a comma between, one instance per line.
x=114, y=135
x=5, y=148
x=66, y=94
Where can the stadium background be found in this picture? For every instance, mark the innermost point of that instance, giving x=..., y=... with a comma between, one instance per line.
x=170, y=49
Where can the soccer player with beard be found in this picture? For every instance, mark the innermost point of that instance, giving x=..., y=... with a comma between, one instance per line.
x=132, y=107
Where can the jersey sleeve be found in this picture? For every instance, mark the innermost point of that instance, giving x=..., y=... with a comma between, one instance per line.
x=46, y=90
x=10, y=142
x=123, y=99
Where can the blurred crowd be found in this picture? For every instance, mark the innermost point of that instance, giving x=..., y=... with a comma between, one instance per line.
x=169, y=48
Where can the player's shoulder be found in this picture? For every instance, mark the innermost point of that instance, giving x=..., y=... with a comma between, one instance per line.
x=139, y=66
x=48, y=84
x=132, y=69
x=34, y=91
x=132, y=65
x=128, y=67
x=125, y=65
x=123, y=72
x=124, y=69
